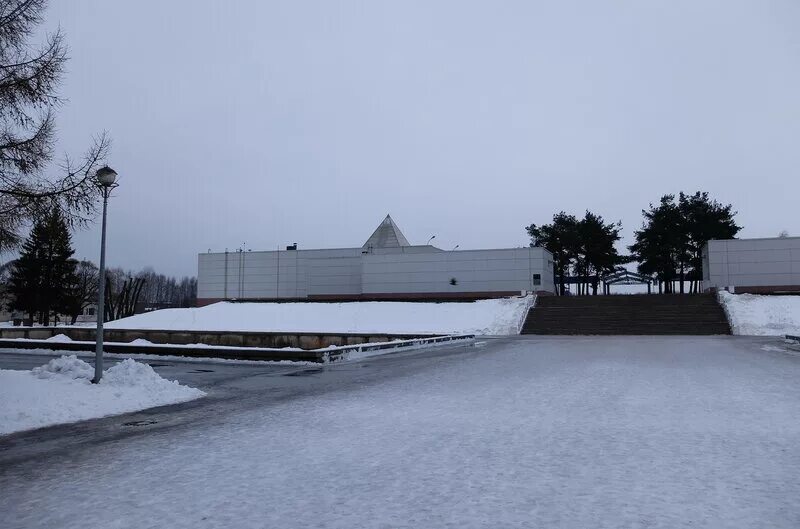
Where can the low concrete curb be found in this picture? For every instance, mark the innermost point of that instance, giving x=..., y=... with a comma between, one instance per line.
x=329, y=354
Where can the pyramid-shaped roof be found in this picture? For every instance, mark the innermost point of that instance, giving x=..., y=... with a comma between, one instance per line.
x=387, y=235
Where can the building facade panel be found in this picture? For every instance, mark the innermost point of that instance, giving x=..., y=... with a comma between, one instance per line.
x=753, y=265
x=458, y=272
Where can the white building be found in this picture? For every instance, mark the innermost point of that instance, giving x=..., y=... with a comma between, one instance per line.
x=752, y=265
x=386, y=267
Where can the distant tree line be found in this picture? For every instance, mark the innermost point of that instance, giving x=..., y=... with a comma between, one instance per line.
x=128, y=292
x=668, y=247
x=45, y=282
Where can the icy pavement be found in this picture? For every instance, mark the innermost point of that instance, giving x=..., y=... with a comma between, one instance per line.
x=531, y=432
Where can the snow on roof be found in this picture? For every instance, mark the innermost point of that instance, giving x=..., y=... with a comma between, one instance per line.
x=387, y=235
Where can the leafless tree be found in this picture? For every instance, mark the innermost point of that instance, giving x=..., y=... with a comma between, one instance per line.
x=83, y=293
x=128, y=292
x=29, y=77
x=162, y=291
x=121, y=300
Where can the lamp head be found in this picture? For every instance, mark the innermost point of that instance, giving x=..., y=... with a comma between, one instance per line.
x=106, y=176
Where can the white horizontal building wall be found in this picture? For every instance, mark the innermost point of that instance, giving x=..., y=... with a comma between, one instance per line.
x=754, y=265
x=353, y=272
x=275, y=274
x=473, y=271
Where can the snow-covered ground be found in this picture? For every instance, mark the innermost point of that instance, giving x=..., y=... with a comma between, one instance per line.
x=493, y=316
x=61, y=391
x=755, y=315
x=600, y=432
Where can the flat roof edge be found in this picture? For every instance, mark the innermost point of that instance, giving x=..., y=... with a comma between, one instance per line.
x=360, y=249
x=756, y=239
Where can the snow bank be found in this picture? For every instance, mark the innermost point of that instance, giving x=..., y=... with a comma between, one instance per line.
x=61, y=338
x=493, y=316
x=68, y=366
x=61, y=391
x=755, y=315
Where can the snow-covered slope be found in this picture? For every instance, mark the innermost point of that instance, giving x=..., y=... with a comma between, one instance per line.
x=493, y=316
x=61, y=392
x=750, y=314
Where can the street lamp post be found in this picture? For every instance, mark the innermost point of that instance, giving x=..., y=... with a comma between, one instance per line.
x=429, y=240
x=106, y=179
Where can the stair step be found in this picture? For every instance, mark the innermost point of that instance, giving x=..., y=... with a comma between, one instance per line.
x=693, y=314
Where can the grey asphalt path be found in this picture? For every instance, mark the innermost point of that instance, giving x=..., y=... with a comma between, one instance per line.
x=231, y=388
x=516, y=432
x=234, y=388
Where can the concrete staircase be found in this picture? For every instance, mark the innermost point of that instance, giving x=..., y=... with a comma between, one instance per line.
x=621, y=314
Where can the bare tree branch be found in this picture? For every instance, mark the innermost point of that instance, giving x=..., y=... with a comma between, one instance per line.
x=29, y=184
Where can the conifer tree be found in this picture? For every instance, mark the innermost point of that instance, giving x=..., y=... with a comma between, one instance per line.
x=597, y=240
x=670, y=243
x=704, y=219
x=585, y=245
x=560, y=238
x=659, y=242
x=42, y=276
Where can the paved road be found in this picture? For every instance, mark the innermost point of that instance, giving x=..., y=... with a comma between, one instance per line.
x=230, y=387
x=605, y=432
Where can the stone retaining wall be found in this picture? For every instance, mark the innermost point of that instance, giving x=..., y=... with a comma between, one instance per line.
x=242, y=353
x=275, y=340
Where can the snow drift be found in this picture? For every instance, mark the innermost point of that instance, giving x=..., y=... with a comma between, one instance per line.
x=755, y=315
x=61, y=391
x=492, y=316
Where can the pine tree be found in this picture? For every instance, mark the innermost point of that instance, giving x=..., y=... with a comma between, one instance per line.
x=586, y=246
x=671, y=241
x=45, y=270
x=24, y=283
x=561, y=239
x=659, y=243
x=704, y=219
x=598, y=253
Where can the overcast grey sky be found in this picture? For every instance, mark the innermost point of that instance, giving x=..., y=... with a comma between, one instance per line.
x=269, y=123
